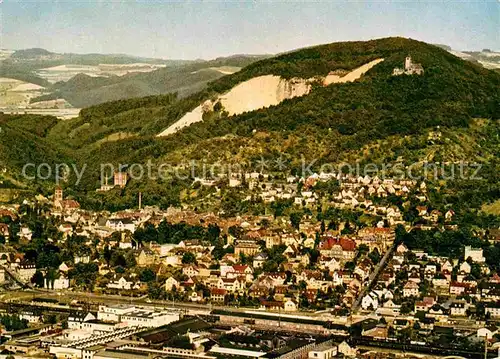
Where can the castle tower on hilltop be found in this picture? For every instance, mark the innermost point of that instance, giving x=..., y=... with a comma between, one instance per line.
x=58, y=194
x=410, y=68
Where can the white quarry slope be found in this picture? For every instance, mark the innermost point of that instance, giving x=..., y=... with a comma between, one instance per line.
x=187, y=120
x=265, y=91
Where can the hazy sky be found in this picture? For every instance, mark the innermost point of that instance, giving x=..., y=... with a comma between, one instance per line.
x=203, y=29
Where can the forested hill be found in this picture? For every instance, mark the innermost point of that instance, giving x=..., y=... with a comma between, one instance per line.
x=379, y=117
x=450, y=91
x=23, y=141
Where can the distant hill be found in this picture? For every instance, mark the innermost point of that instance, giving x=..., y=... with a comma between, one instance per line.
x=181, y=76
x=486, y=58
x=83, y=91
x=24, y=65
x=441, y=69
x=38, y=54
x=23, y=72
x=30, y=53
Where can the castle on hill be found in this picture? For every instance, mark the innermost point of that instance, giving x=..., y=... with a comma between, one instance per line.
x=411, y=68
x=120, y=180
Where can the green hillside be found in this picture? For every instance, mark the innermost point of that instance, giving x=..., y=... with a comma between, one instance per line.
x=117, y=119
x=22, y=72
x=84, y=91
x=379, y=118
x=23, y=141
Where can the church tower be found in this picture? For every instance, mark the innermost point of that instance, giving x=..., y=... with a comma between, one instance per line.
x=58, y=194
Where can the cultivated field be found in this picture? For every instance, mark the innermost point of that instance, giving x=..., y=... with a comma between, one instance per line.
x=16, y=93
x=66, y=72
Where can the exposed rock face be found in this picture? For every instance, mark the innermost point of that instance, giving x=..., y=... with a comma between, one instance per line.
x=251, y=95
x=261, y=92
x=264, y=91
x=207, y=106
x=291, y=88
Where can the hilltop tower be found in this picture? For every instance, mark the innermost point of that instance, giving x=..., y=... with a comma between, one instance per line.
x=408, y=64
x=410, y=68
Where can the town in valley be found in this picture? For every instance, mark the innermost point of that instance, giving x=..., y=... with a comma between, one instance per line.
x=250, y=179
x=344, y=266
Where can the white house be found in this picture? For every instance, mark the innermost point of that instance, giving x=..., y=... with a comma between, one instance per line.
x=487, y=332
x=63, y=267
x=230, y=284
x=114, y=312
x=75, y=320
x=25, y=272
x=121, y=224
x=122, y=283
x=259, y=260
x=30, y=317
x=369, y=301
x=493, y=309
x=346, y=349
x=458, y=308
x=465, y=267
x=125, y=243
x=476, y=254
x=290, y=306
x=82, y=259
x=332, y=265
x=57, y=284
x=149, y=318
x=323, y=352
x=26, y=233
x=170, y=283
x=195, y=296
